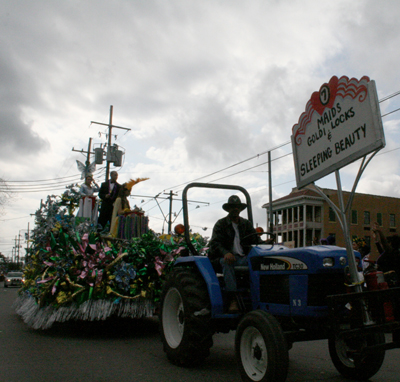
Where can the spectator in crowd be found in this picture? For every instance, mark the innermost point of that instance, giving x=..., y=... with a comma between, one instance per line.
x=387, y=256
x=331, y=240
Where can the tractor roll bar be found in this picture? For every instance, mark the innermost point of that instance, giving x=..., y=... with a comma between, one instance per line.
x=208, y=185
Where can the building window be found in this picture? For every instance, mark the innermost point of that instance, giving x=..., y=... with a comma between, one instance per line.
x=367, y=219
x=379, y=218
x=332, y=216
x=392, y=220
x=309, y=213
x=354, y=217
x=318, y=211
x=290, y=215
x=301, y=214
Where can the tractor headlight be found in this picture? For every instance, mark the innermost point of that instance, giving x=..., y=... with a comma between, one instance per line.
x=343, y=261
x=328, y=262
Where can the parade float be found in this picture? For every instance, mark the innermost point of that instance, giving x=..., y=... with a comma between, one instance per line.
x=72, y=272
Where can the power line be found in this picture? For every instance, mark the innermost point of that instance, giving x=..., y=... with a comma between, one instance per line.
x=34, y=190
x=41, y=180
x=21, y=217
x=389, y=96
x=234, y=165
x=23, y=188
x=35, y=186
x=250, y=168
x=265, y=152
x=384, y=115
x=101, y=169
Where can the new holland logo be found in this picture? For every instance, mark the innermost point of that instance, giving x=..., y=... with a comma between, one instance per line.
x=275, y=263
x=273, y=267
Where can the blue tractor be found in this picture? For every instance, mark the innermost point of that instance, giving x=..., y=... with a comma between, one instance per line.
x=286, y=295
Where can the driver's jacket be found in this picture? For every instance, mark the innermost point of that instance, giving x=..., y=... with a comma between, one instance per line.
x=223, y=235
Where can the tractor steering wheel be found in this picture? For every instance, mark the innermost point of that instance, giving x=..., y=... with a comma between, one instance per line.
x=269, y=241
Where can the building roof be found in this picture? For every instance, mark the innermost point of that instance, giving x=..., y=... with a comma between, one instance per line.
x=295, y=194
x=309, y=193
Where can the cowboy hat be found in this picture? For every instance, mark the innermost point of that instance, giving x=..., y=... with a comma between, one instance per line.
x=234, y=201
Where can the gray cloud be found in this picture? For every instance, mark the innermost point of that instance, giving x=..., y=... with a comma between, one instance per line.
x=203, y=85
x=17, y=136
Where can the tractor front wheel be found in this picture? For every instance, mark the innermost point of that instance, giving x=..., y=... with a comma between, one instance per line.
x=261, y=348
x=185, y=318
x=345, y=356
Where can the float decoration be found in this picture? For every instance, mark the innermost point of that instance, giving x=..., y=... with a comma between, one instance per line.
x=74, y=273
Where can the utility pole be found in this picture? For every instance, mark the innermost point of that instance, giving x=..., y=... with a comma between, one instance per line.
x=110, y=126
x=88, y=152
x=19, y=245
x=17, y=249
x=27, y=244
x=271, y=223
x=109, y=141
x=171, y=194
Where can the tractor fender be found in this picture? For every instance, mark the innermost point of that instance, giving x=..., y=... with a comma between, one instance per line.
x=204, y=266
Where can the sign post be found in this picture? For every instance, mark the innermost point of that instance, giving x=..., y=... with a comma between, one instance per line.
x=341, y=123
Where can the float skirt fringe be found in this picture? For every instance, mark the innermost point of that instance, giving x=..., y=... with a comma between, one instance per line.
x=91, y=310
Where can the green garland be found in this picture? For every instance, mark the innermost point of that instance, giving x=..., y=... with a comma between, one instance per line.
x=68, y=264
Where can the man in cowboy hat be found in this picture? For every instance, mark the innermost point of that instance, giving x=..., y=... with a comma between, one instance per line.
x=230, y=243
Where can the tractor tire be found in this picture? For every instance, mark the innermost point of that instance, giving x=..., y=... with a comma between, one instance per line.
x=340, y=351
x=185, y=318
x=261, y=348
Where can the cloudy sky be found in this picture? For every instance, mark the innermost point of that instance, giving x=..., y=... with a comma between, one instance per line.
x=204, y=86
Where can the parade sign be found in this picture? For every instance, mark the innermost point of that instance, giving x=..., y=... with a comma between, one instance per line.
x=341, y=124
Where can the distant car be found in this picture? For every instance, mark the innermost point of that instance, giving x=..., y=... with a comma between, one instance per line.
x=13, y=279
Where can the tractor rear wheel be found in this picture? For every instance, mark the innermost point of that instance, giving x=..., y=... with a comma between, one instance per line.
x=185, y=318
x=261, y=348
x=342, y=353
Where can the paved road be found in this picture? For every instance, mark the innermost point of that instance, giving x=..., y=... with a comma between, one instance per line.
x=129, y=350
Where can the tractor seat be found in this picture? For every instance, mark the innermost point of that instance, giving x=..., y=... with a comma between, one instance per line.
x=218, y=267
x=241, y=273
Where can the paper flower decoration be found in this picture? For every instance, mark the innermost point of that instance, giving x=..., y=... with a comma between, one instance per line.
x=73, y=272
x=132, y=182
